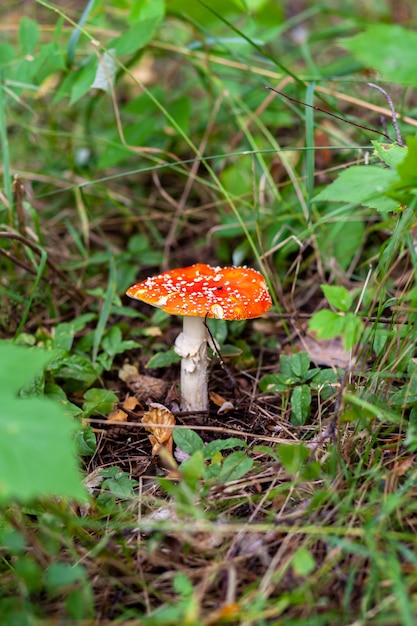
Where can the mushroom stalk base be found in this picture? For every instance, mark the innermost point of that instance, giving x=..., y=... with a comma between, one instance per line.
x=191, y=345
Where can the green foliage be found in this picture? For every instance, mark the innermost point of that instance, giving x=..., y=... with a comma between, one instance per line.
x=385, y=47
x=296, y=381
x=341, y=323
x=37, y=447
x=207, y=462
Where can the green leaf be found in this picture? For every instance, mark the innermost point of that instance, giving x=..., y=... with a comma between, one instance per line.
x=300, y=404
x=340, y=239
x=300, y=364
x=85, y=440
x=37, y=451
x=60, y=575
x=361, y=184
x=234, y=467
x=352, y=331
x=193, y=469
x=338, y=297
x=76, y=367
x=163, y=359
x=293, y=457
x=83, y=80
x=63, y=336
x=117, y=482
x=388, y=49
x=98, y=401
x=326, y=324
x=213, y=447
x=28, y=35
x=147, y=9
x=391, y=153
x=303, y=562
x=113, y=342
x=187, y=440
x=7, y=53
x=285, y=366
x=274, y=383
x=407, y=169
x=135, y=38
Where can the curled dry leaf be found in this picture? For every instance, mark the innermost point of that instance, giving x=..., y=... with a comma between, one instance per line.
x=144, y=387
x=158, y=418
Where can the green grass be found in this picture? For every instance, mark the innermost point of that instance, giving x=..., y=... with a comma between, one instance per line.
x=296, y=504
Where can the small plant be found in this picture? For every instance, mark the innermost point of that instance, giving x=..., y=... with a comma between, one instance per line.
x=37, y=448
x=296, y=382
x=339, y=322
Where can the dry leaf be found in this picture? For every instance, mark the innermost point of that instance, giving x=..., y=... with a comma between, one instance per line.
x=224, y=404
x=157, y=420
x=328, y=352
x=402, y=466
x=144, y=387
x=217, y=398
x=119, y=415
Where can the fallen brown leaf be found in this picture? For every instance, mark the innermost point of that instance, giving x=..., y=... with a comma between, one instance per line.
x=144, y=387
x=157, y=420
x=119, y=415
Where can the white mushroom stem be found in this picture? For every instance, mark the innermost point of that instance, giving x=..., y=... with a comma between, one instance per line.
x=191, y=346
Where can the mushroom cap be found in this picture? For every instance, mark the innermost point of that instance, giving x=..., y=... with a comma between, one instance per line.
x=230, y=293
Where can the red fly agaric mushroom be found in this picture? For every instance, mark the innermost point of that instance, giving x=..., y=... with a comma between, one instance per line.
x=197, y=292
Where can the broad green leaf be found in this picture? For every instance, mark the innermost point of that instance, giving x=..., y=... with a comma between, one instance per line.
x=120, y=487
x=98, y=401
x=352, y=331
x=60, y=575
x=113, y=342
x=285, y=366
x=325, y=383
x=407, y=169
x=7, y=53
x=300, y=364
x=338, y=297
x=76, y=367
x=213, y=447
x=300, y=404
x=341, y=238
x=49, y=60
x=63, y=335
x=362, y=184
x=193, y=469
x=19, y=365
x=391, y=153
x=28, y=35
x=303, y=562
x=135, y=38
x=37, y=451
x=147, y=9
x=274, y=383
x=83, y=80
x=86, y=441
x=293, y=457
x=235, y=466
x=387, y=48
x=327, y=324
x=182, y=585
x=163, y=359
x=187, y=440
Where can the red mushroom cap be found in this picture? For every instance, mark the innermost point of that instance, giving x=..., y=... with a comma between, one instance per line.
x=230, y=293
